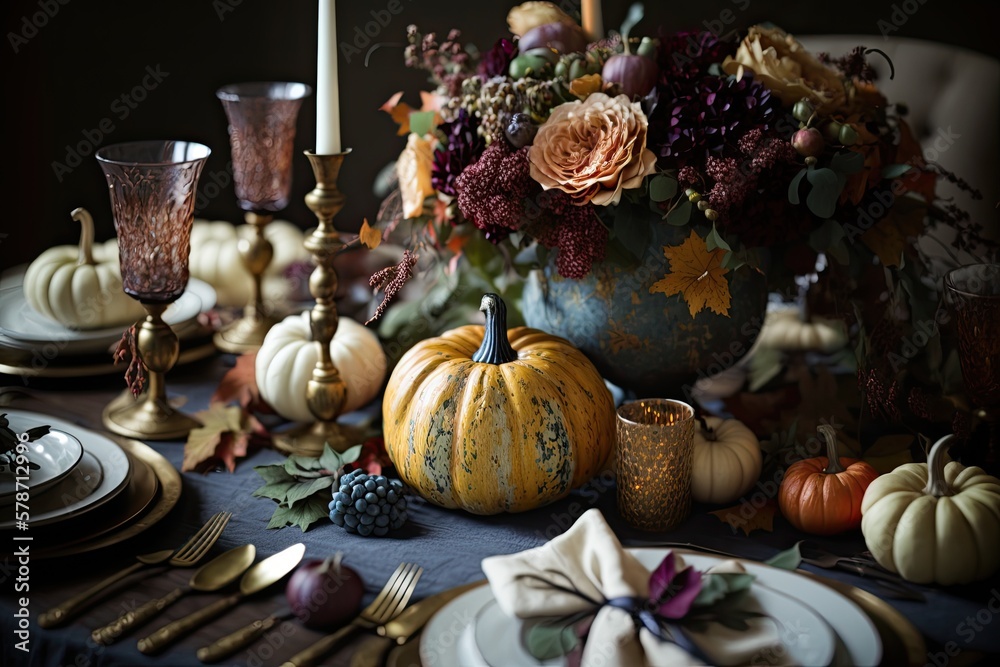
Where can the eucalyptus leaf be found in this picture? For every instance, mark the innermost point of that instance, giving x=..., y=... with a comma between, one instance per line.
x=789, y=559
x=681, y=215
x=826, y=235
x=895, y=170
x=793, y=187
x=330, y=459
x=302, y=515
x=717, y=585
x=847, y=162
x=273, y=473
x=662, y=188
x=275, y=490
x=351, y=454
x=635, y=14
x=822, y=197
x=421, y=122
x=631, y=230
x=550, y=641
x=305, y=490
x=840, y=253
x=714, y=241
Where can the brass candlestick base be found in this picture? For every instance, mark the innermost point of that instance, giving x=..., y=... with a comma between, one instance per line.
x=150, y=417
x=326, y=393
x=309, y=439
x=247, y=333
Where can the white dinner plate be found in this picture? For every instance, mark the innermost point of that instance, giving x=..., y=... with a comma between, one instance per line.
x=22, y=322
x=116, y=470
x=79, y=483
x=55, y=453
x=449, y=641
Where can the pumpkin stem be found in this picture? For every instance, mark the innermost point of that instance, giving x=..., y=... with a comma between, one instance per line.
x=706, y=429
x=937, y=485
x=496, y=347
x=833, y=466
x=82, y=216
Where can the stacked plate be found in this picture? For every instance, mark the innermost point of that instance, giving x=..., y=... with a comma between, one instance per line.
x=31, y=344
x=814, y=624
x=83, y=490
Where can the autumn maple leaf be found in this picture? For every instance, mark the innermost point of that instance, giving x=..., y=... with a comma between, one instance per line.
x=225, y=434
x=369, y=236
x=697, y=275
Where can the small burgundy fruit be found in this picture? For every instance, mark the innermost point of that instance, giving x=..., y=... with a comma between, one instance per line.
x=808, y=142
x=324, y=593
x=559, y=37
x=635, y=74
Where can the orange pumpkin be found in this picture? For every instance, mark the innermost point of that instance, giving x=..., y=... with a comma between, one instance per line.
x=823, y=495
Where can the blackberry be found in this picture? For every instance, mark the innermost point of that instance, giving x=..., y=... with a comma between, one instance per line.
x=368, y=504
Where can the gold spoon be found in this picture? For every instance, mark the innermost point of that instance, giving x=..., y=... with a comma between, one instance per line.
x=212, y=576
x=265, y=573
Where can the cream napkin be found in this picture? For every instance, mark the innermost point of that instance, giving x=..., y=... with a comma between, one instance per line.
x=590, y=556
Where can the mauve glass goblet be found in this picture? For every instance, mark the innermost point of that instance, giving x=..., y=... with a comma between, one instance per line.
x=973, y=296
x=152, y=185
x=262, y=119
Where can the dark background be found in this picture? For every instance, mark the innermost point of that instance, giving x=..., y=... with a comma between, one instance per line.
x=63, y=82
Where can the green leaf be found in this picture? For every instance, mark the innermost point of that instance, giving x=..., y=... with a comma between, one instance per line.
x=275, y=490
x=305, y=490
x=303, y=466
x=632, y=231
x=788, y=559
x=826, y=235
x=822, y=197
x=421, y=122
x=717, y=585
x=793, y=187
x=302, y=515
x=681, y=215
x=635, y=14
x=549, y=641
x=895, y=170
x=351, y=454
x=840, y=253
x=713, y=241
x=662, y=188
x=330, y=460
x=847, y=162
x=273, y=473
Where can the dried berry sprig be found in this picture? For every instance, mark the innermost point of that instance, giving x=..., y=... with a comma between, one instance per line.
x=392, y=279
x=135, y=374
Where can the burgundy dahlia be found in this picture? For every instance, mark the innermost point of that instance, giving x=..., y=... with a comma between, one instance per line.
x=700, y=117
x=461, y=146
x=496, y=61
x=688, y=54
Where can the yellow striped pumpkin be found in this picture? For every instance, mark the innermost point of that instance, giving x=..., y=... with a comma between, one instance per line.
x=491, y=420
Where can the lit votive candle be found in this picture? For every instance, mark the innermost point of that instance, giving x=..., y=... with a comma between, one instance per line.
x=654, y=452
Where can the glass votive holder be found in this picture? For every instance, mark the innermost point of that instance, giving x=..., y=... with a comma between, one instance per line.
x=654, y=453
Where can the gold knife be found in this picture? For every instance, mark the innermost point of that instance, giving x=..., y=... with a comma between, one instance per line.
x=401, y=629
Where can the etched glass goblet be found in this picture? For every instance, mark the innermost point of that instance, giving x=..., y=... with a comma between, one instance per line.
x=152, y=185
x=262, y=135
x=973, y=295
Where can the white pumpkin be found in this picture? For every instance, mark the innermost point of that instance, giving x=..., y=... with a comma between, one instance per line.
x=727, y=461
x=934, y=523
x=216, y=259
x=784, y=330
x=287, y=357
x=81, y=286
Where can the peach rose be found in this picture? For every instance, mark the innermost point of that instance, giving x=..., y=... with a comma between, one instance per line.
x=593, y=149
x=787, y=69
x=413, y=168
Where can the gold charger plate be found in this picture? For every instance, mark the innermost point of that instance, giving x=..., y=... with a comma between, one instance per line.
x=169, y=492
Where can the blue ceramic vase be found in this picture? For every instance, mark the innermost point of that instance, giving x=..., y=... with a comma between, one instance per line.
x=646, y=343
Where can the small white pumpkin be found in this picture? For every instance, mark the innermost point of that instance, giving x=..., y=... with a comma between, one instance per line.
x=216, y=259
x=81, y=286
x=784, y=330
x=727, y=461
x=934, y=523
x=287, y=357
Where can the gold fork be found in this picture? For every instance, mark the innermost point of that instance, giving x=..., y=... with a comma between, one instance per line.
x=186, y=555
x=392, y=599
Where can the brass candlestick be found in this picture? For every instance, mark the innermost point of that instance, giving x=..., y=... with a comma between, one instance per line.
x=247, y=333
x=150, y=417
x=326, y=393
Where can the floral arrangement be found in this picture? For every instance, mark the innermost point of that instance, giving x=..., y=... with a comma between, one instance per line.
x=772, y=155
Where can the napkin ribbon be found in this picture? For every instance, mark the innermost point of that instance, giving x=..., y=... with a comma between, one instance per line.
x=642, y=615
